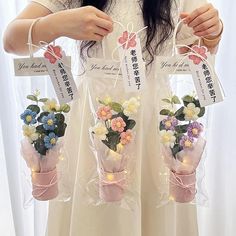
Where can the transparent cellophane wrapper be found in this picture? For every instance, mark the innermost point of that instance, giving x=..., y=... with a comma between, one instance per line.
x=182, y=176
x=45, y=177
x=112, y=179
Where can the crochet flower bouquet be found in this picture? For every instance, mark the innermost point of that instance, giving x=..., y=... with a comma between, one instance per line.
x=182, y=145
x=112, y=135
x=41, y=148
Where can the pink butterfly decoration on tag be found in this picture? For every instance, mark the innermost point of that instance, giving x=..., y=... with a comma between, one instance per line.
x=131, y=38
x=51, y=51
x=201, y=50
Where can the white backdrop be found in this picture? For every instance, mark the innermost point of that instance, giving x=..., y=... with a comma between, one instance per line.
x=217, y=220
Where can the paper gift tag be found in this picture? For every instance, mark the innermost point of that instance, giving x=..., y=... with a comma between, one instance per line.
x=132, y=64
x=205, y=79
x=177, y=64
x=103, y=68
x=32, y=66
x=60, y=74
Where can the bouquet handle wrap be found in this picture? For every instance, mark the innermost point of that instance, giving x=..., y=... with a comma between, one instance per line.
x=182, y=138
x=112, y=172
x=44, y=174
x=183, y=171
x=113, y=132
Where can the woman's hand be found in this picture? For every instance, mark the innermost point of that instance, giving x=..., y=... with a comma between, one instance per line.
x=85, y=23
x=205, y=21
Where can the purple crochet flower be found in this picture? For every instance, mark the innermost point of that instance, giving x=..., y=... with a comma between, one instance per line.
x=186, y=142
x=195, y=129
x=170, y=123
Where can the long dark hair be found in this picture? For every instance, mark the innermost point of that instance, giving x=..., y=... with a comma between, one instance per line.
x=156, y=15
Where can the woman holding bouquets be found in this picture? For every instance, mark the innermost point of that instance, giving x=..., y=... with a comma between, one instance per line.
x=91, y=21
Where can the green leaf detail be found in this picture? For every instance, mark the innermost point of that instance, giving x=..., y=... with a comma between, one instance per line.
x=116, y=107
x=113, y=138
x=177, y=148
x=32, y=98
x=43, y=100
x=41, y=130
x=40, y=146
x=34, y=108
x=166, y=112
x=181, y=129
x=202, y=112
x=101, y=102
x=188, y=99
x=60, y=130
x=130, y=124
x=65, y=108
x=166, y=100
x=162, y=126
x=179, y=114
x=175, y=100
x=60, y=118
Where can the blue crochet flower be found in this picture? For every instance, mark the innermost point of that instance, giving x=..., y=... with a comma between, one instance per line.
x=29, y=117
x=50, y=140
x=49, y=122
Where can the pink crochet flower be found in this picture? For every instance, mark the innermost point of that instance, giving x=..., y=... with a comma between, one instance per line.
x=104, y=113
x=51, y=51
x=118, y=124
x=126, y=137
x=199, y=50
x=125, y=37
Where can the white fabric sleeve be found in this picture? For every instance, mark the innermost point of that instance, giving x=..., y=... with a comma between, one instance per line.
x=185, y=34
x=58, y=5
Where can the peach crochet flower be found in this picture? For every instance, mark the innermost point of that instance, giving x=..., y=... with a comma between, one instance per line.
x=104, y=113
x=118, y=124
x=126, y=137
x=199, y=50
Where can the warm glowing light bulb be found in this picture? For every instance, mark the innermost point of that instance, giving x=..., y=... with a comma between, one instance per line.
x=171, y=198
x=110, y=177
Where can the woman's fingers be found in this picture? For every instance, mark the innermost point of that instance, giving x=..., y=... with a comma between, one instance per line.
x=205, y=25
x=196, y=13
x=101, y=31
x=204, y=21
x=208, y=32
x=184, y=15
x=105, y=24
x=202, y=18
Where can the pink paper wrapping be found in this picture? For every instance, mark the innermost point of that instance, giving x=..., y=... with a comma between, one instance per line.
x=183, y=171
x=112, y=173
x=43, y=169
x=45, y=185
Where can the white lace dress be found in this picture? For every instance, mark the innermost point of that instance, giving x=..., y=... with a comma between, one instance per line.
x=75, y=218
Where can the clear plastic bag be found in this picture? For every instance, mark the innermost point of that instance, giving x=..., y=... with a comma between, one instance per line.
x=183, y=121
x=114, y=134
x=182, y=128
x=42, y=149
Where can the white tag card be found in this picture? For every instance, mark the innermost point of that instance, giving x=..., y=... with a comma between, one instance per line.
x=32, y=66
x=61, y=76
x=206, y=82
x=132, y=64
x=172, y=65
x=103, y=68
